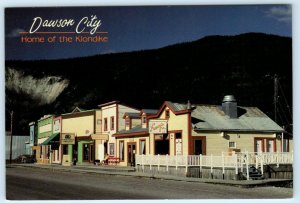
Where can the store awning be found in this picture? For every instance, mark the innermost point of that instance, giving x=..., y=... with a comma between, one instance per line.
x=53, y=139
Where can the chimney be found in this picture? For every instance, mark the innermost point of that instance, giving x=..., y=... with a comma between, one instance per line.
x=229, y=106
x=188, y=105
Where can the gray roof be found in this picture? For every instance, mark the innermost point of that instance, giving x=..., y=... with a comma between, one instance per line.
x=136, y=129
x=150, y=111
x=177, y=106
x=211, y=117
x=133, y=115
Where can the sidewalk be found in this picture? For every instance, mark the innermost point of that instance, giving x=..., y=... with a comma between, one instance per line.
x=130, y=171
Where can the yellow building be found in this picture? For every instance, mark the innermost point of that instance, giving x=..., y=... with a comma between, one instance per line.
x=112, y=122
x=81, y=137
x=134, y=139
x=185, y=129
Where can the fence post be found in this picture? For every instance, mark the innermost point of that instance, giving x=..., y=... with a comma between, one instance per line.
x=277, y=159
x=167, y=162
x=223, y=165
x=236, y=164
x=158, y=162
x=200, y=164
x=247, y=165
x=256, y=161
x=262, y=166
x=211, y=166
x=186, y=163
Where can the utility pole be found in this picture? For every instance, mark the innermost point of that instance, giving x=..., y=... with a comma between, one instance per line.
x=275, y=96
x=11, y=135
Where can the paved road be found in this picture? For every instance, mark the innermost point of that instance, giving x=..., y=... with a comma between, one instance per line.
x=42, y=184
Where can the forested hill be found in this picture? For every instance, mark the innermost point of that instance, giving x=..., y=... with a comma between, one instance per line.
x=201, y=71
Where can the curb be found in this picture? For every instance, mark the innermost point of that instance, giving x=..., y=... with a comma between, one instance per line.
x=240, y=183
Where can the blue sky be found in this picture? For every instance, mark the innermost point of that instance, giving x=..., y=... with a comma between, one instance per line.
x=141, y=27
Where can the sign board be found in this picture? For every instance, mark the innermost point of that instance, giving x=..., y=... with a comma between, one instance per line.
x=56, y=126
x=68, y=138
x=178, y=146
x=158, y=126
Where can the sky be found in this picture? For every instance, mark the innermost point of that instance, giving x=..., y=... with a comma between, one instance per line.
x=132, y=28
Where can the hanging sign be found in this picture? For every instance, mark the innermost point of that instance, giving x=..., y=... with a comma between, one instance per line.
x=157, y=126
x=68, y=138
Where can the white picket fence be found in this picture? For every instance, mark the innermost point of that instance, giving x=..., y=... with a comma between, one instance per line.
x=238, y=161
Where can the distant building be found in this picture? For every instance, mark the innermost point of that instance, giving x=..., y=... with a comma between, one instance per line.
x=19, y=145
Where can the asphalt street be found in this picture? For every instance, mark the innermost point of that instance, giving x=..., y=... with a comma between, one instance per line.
x=45, y=184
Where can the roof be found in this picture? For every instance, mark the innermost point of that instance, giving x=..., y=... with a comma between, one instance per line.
x=137, y=130
x=211, y=117
x=149, y=111
x=132, y=115
x=77, y=109
x=176, y=108
x=108, y=103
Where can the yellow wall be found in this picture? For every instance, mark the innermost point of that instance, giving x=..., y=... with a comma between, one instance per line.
x=175, y=122
x=131, y=140
x=98, y=121
x=216, y=143
x=78, y=125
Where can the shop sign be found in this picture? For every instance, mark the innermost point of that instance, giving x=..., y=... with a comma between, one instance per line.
x=178, y=146
x=56, y=126
x=156, y=126
x=68, y=138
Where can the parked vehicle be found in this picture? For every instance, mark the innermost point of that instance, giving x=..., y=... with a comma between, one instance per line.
x=25, y=158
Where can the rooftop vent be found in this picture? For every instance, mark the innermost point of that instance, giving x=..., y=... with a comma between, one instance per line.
x=229, y=106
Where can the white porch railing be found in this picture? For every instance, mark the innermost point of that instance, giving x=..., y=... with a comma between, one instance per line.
x=238, y=161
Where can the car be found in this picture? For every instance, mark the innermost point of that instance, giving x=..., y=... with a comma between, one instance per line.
x=25, y=158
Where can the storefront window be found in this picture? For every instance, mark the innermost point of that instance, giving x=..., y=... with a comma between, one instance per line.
x=112, y=149
x=121, y=155
x=162, y=144
x=142, y=146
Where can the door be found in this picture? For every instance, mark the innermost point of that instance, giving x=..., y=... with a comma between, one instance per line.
x=92, y=153
x=131, y=154
x=198, y=147
x=86, y=152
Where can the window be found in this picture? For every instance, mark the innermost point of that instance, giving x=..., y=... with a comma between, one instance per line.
x=121, y=152
x=285, y=145
x=232, y=145
x=112, y=149
x=167, y=114
x=127, y=122
x=144, y=120
x=112, y=123
x=142, y=146
x=105, y=124
x=161, y=144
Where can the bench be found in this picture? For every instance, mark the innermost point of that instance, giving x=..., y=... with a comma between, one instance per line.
x=113, y=160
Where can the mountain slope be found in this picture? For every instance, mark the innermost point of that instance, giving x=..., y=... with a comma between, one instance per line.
x=202, y=71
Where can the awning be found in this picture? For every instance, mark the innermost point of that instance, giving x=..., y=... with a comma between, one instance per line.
x=53, y=139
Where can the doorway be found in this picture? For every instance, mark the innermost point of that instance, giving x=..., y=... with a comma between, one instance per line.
x=131, y=154
x=199, y=145
x=88, y=152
